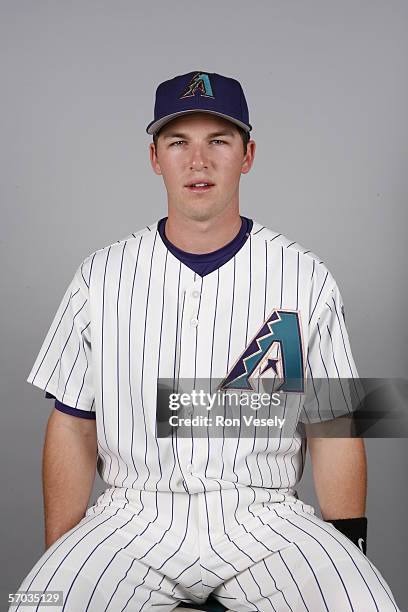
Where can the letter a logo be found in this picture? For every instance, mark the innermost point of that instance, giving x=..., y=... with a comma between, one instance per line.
x=282, y=328
x=201, y=84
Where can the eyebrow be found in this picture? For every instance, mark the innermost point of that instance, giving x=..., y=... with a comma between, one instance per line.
x=212, y=135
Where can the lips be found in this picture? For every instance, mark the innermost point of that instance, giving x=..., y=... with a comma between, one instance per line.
x=199, y=186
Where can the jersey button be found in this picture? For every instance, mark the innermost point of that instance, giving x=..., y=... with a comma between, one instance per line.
x=189, y=467
x=195, y=293
x=194, y=322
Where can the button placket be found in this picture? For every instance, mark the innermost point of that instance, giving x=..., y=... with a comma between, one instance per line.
x=192, y=295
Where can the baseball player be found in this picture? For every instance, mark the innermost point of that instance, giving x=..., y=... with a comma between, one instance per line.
x=204, y=293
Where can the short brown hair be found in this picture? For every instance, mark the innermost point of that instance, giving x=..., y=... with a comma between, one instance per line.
x=243, y=133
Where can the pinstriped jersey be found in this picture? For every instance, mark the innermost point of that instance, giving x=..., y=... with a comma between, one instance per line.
x=134, y=313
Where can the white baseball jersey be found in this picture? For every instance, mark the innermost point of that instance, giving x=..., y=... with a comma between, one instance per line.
x=186, y=516
x=134, y=313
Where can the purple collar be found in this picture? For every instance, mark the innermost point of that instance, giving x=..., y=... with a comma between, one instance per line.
x=204, y=263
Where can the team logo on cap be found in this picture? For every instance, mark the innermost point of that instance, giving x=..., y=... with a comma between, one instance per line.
x=199, y=83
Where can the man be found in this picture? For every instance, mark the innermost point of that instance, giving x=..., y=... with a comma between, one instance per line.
x=203, y=294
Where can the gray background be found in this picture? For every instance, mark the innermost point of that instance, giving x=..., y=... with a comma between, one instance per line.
x=327, y=91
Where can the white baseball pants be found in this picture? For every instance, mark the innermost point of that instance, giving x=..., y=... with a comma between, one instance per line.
x=142, y=550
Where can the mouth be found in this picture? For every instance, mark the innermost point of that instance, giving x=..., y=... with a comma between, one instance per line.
x=199, y=187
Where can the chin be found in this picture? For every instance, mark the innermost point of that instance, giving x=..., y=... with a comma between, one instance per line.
x=198, y=210
x=204, y=213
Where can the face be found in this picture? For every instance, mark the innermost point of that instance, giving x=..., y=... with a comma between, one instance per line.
x=201, y=148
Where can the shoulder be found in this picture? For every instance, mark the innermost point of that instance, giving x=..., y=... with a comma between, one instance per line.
x=296, y=260
x=112, y=250
x=279, y=241
x=278, y=244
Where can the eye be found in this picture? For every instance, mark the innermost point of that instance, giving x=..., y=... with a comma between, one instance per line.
x=176, y=142
x=218, y=140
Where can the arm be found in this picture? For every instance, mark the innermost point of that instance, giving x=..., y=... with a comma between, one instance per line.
x=340, y=476
x=69, y=465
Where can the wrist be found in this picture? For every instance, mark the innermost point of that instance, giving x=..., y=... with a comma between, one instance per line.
x=354, y=528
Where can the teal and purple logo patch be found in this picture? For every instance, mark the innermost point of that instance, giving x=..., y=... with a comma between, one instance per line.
x=276, y=349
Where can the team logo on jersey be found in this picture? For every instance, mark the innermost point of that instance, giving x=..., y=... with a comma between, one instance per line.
x=276, y=351
x=199, y=83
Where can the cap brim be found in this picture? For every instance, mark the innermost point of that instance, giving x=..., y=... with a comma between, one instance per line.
x=154, y=126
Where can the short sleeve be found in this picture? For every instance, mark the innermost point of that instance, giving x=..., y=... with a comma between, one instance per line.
x=63, y=367
x=84, y=414
x=332, y=387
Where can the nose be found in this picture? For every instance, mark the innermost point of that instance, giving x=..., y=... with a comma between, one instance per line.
x=198, y=159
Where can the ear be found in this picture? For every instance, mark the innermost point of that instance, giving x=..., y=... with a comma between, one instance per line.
x=249, y=157
x=153, y=159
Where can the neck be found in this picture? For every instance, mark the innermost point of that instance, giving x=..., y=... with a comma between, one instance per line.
x=202, y=236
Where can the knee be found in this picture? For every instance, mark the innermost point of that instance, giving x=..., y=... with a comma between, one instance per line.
x=367, y=590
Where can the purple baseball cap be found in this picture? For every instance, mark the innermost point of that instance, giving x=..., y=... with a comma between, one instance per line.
x=199, y=91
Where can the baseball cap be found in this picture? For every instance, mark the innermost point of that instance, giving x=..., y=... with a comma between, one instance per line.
x=200, y=91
